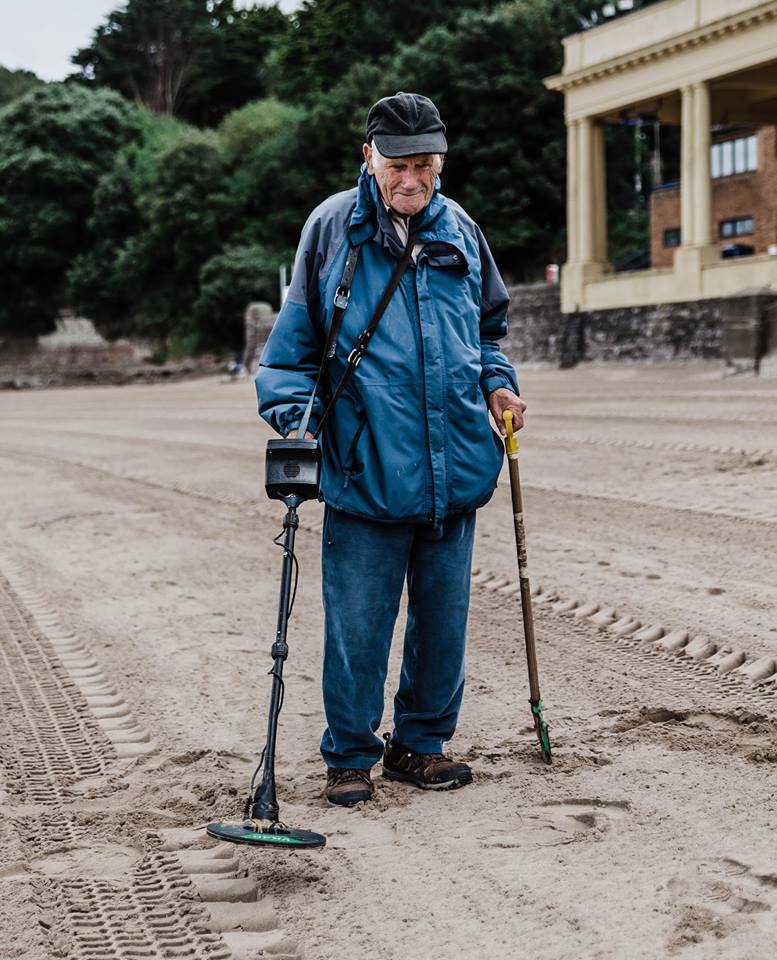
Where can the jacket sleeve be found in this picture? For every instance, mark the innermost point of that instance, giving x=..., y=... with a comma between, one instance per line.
x=291, y=357
x=497, y=369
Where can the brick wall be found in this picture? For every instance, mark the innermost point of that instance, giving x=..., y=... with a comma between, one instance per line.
x=740, y=195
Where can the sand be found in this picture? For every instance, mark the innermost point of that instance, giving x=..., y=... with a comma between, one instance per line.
x=138, y=591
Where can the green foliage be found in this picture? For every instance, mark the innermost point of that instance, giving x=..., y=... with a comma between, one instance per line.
x=55, y=143
x=229, y=282
x=161, y=212
x=243, y=130
x=328, y=36
x=15, y=83
x=277, y=184
x=505, y=130
x=156, y=228
x=231, y=69
x=197, y=59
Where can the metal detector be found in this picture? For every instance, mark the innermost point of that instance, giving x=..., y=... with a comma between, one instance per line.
x=292, y=470
x=292, y=475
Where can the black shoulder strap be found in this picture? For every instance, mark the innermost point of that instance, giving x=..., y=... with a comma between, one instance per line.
x=341, y=302
x=342, y=294
x=365, y=336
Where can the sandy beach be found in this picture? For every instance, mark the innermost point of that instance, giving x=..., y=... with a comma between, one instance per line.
x=138, y=595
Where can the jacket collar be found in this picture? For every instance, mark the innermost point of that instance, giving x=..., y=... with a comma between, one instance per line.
x=370, y=219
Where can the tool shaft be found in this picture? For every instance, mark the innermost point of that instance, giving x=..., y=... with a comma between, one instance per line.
x=523, y=576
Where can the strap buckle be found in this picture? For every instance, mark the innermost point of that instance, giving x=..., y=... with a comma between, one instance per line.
x=354, y=357
x=341, y=298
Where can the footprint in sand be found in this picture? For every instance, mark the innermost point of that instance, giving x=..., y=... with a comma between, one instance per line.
x=718, y=897
x=556, y=823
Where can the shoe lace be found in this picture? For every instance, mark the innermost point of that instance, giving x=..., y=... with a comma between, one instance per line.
x=339, y=775
x=420, y=761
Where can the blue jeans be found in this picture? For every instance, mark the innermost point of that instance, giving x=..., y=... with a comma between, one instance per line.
x=364, y=565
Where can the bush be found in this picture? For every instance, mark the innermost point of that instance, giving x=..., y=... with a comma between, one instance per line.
x=15, y=83
x=228, y=283
x=160, y=213
x=244, y=129
x=55, y=144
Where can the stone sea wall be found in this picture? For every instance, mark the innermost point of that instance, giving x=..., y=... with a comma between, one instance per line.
x=76, y=354
x=695, y=330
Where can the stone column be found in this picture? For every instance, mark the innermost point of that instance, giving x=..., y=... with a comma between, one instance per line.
x=600, y=195
x=586, y=190
x=586, y=212
x=696, y=250
x=686, y=169
x=573, y=232
x=702, y=187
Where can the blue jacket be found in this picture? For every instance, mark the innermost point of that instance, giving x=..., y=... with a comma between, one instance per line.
x=409, y=438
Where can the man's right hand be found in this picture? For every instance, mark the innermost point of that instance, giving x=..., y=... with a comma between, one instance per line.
x=292, y=435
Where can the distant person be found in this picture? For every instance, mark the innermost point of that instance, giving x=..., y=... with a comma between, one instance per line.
x=408, y=454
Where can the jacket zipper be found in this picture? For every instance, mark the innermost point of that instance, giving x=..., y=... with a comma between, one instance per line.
x=433, y=515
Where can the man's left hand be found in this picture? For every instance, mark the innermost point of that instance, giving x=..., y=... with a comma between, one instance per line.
x=503, y=399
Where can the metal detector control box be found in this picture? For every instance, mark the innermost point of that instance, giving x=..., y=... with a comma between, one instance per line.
x=292, y=468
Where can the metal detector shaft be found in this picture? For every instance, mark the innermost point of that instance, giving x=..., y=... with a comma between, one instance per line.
x=535, y=700
x=265, y=803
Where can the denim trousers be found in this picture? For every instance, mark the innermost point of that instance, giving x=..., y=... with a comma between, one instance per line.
x=364, y=567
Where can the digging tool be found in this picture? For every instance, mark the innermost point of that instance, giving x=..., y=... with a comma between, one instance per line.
x=535, y=701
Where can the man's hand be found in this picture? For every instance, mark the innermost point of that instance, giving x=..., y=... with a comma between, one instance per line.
x=503, y=399
x=292, y=434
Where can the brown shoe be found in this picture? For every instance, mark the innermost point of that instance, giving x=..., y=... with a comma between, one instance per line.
x=346, y=786
x=430, y=771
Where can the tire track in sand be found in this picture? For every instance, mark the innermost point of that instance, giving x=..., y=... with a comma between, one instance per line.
x=678, y=657
x=686, y=647
x=180, y=894
x=50, y=737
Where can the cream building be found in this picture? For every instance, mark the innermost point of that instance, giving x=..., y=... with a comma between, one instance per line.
x=699, y=63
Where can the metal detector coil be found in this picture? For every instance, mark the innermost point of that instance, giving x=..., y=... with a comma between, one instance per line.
x=292, y=469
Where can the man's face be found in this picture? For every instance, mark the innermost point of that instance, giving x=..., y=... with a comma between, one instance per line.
x=405, y=183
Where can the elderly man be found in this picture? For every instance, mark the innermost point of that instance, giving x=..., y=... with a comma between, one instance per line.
x=408, y=453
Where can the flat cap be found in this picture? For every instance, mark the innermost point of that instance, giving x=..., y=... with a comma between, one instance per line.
x=405, y=125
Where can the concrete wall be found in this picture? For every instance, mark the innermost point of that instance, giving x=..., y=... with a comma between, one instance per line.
x=257, y=323
x=539, y=332
x=24, y=363
x=75, y=353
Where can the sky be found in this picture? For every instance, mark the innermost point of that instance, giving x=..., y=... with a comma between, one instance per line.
x=41, y=35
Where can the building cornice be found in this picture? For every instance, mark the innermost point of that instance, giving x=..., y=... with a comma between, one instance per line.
x=692, y=38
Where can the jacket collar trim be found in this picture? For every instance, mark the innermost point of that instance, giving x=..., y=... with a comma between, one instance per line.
x=370, y=219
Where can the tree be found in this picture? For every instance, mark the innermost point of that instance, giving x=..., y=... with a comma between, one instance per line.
x=55, y=143
x=147, y=51
x=160, y=214
x=277, y=184
x=505, y=130
x=327, y=37
x=231, y=68
x=15, y=83
x=230, y=281
x=193, y=58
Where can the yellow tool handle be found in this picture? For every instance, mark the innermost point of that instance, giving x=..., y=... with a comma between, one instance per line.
x=511, y=441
